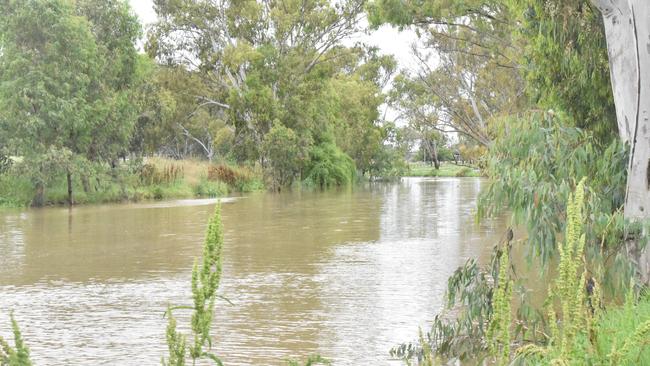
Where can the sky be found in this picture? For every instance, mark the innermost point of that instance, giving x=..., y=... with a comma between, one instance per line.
x=389, y=40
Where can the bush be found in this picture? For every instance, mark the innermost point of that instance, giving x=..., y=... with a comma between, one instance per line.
x=329, y=166
x=464, y=172
x=283, y=156
x=15, y=191
x=5, y=163
x=150, y=174
x=241, y=179
x=207, y=188
x=158, y=193
x=17, y=355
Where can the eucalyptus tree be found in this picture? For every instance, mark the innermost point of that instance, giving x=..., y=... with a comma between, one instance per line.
x=266, y=61
x=466, y=60
x=66, y=86
x=253, y=55
x=48, y=79
x=627, y=29
x=116, y=30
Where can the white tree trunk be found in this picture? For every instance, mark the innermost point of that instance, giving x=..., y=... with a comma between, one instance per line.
x=627, y=28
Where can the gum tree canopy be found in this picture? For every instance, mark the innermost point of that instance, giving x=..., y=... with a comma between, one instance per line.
x=627, y=28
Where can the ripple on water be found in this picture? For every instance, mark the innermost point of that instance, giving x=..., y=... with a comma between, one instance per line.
x=346, y=274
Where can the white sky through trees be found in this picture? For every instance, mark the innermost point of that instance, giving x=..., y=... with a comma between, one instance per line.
x=388, y=39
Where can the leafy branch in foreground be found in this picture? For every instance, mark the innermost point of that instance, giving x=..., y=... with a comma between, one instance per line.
x=19, y=354
x=205, y=282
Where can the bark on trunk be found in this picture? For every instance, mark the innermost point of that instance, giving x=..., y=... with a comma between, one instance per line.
x=39, y=196
x=85, y=182
x=69, y=179
x=434, y=155
x=627, y=29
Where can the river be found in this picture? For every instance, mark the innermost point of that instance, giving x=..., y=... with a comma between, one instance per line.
x=346, y=274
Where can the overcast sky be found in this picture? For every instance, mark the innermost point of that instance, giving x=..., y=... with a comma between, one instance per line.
x=388, y=39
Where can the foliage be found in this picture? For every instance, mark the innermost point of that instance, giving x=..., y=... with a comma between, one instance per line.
x=623, y=333
x=445, y=170
x=208, y=188
x=565, y=61
x=531, y=168
x=462, y=333
x=18, y=355
x=240, y=178
x=580, y=333
x=278, y=76
x=328, y=166
x=205, y=282
x=283, y=156
x=467, y=64
x=5, y=163
x=64, y=102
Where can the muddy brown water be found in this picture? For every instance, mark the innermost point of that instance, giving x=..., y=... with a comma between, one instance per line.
x=346, y=274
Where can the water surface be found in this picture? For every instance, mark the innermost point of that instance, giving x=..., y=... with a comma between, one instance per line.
x=345, y=273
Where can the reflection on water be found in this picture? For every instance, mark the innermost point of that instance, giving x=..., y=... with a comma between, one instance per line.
x=345, y=274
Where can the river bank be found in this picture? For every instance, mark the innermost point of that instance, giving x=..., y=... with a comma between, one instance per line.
x=446, y=169
x=156, y=178
x=152, y=178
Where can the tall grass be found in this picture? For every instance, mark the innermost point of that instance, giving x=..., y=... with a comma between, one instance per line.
x=18, y=355
x=205, y=282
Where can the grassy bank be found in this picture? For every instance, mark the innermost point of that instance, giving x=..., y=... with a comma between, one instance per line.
x=151, y=179
x=446, y=170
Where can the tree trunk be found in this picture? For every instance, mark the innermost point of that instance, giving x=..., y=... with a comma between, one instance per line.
x=39, y=195
x=434, y=155
x=69, y=179
x=627, y=29
x=85, y=182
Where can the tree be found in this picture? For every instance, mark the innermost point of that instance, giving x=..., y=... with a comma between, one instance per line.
x=48, y=79
x=69, y=75
x=263, y=63
x=467, y=69
x=282, y=154
x=564, y=61
x=627, y=29
x=116, y=30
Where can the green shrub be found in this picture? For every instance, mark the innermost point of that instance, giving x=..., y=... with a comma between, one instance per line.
x=15, y=191
x=5, y=163
x=158, y=193
x=207, y=188
x=240, y=178
x=329, y=166
x=464, y=172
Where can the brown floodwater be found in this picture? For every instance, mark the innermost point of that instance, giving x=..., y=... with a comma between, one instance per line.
x=346, y=274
